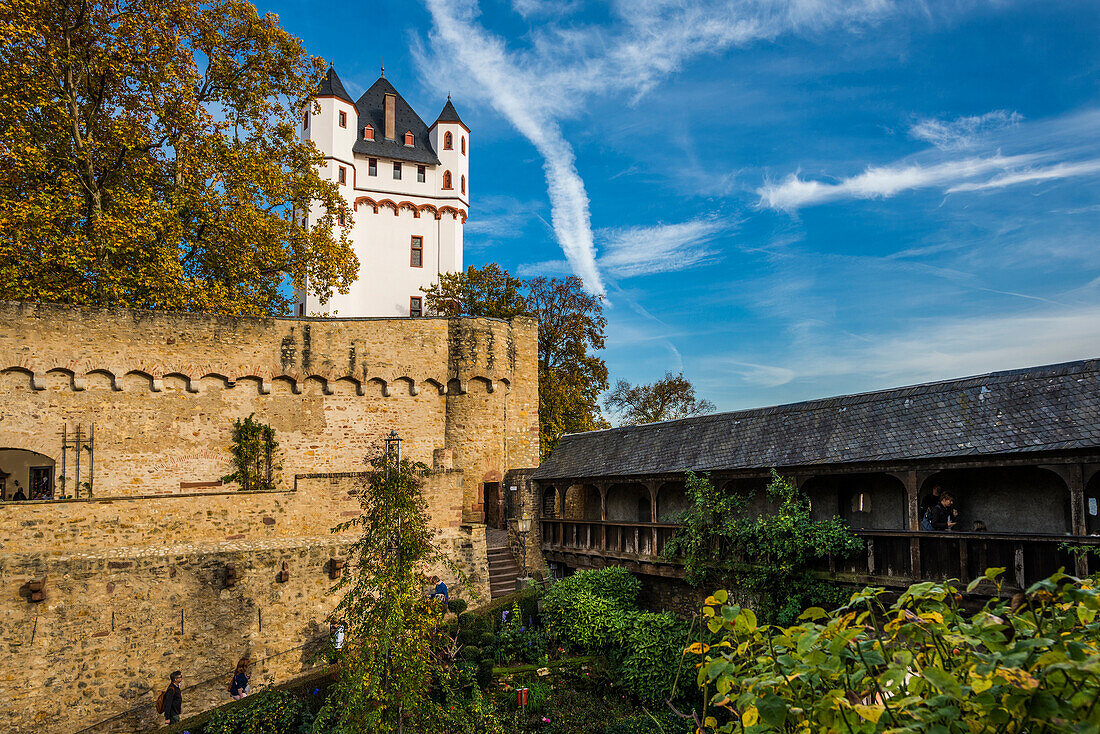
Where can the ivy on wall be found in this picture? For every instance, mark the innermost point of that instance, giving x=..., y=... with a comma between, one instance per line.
x=253, y=450
x=767, y=557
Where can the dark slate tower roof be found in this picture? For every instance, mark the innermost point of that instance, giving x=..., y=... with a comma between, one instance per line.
x=1051, y=408
x=450, y=114
x=371, y=112
x=331, y=86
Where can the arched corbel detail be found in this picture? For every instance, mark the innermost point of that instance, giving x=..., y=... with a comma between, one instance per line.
x=367, y=200
x=410, y=205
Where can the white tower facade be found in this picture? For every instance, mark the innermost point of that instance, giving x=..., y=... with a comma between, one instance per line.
x=408, y=185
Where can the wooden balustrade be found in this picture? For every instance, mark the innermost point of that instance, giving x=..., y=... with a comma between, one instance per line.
x=892, y=557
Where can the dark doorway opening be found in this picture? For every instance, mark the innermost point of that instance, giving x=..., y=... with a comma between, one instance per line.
x=494, y=512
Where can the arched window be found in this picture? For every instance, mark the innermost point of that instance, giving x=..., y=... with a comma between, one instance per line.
x=463, y=184
x=409, y=139
x=447, y=140
x=446, y=179
x=463, y=145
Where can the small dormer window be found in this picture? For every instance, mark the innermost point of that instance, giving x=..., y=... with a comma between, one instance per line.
x=368, y=132
x=448, y=141
x=343, y=119
x=409, y=139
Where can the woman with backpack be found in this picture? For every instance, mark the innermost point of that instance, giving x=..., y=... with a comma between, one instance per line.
x=238, y=687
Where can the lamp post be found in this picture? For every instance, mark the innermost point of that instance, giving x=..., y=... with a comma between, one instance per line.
x=523, y=527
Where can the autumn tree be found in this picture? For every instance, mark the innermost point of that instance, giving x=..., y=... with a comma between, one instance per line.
x=386, y=665
x=571, y=331
x=149, y=157
x=671, y=397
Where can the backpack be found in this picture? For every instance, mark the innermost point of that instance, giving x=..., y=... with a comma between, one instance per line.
x=926, y=521
x=160, y=701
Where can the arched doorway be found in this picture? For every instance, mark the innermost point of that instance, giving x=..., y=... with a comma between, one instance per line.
x=582, y=502
x=628, y=503
x=549, y=503
x=871, y=501
x=671, y=501
x=754, y=491
x=1014, y=499
x=26, y=475
x=1092, y=505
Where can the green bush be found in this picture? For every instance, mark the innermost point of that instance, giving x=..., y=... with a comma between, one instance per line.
x=267, y=711
x=653, y=655
x=613, y=583
x=583, y=621
x=921, y=664
x=458, y=606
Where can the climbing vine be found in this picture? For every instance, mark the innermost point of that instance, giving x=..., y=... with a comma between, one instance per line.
x=253, y=450
x=769, y=557
x=386, y=665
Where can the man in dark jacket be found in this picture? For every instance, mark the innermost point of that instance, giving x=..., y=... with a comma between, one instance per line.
x=173, y=699
x=942, y=517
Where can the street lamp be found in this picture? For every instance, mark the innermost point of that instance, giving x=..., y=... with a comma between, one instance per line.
x=523, y=527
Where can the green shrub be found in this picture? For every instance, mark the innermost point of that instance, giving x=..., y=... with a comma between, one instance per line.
x=653, y=652
x=458, y=606
x=924, y=663
x=267, y=711
x=613, y=583
x=583, y=621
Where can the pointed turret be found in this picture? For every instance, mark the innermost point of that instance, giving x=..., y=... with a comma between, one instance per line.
x=331, y=86
x=450, y=114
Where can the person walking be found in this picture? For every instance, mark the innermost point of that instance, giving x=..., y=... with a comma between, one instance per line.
x=940, y=517
x=238, y=687
x=173, y=699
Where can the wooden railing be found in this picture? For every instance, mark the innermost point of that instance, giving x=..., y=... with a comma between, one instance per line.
x=890, y=557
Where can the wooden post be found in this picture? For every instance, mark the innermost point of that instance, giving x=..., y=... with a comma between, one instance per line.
x=964, y=560
x=912, y=492
x=870, y=556
x=1018, y=567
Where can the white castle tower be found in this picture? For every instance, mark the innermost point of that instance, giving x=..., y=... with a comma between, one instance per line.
x=408, y=184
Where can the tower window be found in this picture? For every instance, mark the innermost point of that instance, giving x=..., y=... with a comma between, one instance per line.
x=343, y=175
x=463, y=145
x=343, y=119
x=409, y=139
x=421, y=174
x=415, y=306
x=301, y=309
x=463, y=182
x=416, y=252
x=368, y=133
x=447, y=180
x=305, y=121
x=396, y=171
x=447, y=141
x=372, y=166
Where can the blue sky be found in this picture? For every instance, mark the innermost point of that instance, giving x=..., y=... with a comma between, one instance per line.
x=784, y=200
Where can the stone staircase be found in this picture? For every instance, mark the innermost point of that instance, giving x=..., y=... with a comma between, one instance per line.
x=503, y=567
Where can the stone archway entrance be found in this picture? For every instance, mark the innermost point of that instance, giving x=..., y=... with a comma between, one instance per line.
x=26, y=475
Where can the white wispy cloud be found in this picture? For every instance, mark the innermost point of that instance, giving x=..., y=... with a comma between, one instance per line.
x=566, y=63
x=962, y=132
x=1032, y=175
x=663, y=248
x=628, y=252
x=882, y=181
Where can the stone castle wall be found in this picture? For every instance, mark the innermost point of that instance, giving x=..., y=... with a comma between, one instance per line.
x=149, y=547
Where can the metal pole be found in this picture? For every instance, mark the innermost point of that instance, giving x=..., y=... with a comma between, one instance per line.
x=91, y=457
x=76, y=442
x=64, y=451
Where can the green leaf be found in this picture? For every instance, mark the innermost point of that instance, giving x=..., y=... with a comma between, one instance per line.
x=942, y=680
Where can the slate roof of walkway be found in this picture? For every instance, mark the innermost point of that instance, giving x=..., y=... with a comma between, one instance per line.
x=1055, y=407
